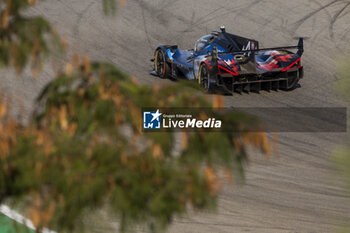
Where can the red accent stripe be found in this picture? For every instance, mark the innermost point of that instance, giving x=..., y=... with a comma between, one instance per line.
x=230, y=72
x=285, y=69
x=235, y=66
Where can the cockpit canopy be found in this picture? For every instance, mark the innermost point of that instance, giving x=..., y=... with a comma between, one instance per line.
x=227, y=41
x=203, y=42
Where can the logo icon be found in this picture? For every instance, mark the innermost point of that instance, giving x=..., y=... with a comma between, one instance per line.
x=151, y=120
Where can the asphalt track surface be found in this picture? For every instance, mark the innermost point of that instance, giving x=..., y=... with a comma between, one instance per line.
x=298, y=189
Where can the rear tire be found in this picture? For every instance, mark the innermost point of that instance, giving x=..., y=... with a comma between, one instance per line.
x=161, y=67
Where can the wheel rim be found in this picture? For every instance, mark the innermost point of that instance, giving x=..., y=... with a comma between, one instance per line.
x=203, y=77
x=159, y=65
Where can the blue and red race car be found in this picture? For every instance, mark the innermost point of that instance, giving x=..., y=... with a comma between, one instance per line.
x=235, y=63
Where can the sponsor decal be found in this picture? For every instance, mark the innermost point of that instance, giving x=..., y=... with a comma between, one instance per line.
x=229, y=62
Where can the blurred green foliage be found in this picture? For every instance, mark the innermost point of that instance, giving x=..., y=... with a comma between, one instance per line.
x=84, y=149
x=343, y=86
x=342, y=155
x=109, y=7
x=343, y=74
x=24, y=39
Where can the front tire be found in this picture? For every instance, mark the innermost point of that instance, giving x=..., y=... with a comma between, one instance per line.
x=204, y=77
x=161, y=67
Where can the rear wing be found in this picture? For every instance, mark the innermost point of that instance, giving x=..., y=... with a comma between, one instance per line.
x=247, y=58
x=300, y=48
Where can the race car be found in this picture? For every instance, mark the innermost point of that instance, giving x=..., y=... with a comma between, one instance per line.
x=235, y=63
